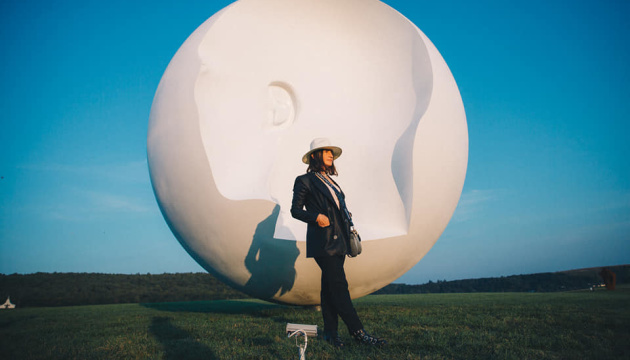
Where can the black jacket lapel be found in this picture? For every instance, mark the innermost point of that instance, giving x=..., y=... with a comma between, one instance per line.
x=322, y=188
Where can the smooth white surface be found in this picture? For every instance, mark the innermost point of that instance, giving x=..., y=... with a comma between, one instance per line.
x=241, y=101
x=374, y=90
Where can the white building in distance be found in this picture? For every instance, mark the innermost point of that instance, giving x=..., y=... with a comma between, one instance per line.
x=7, y=304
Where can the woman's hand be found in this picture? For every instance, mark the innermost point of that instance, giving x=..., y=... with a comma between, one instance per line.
x=322, y=220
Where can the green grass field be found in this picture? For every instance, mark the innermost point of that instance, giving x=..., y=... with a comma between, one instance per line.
x=571, y=325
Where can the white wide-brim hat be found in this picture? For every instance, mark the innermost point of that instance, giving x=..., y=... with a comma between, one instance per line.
x=318, y=144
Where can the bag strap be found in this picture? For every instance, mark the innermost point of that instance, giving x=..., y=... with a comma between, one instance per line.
x=340, y=197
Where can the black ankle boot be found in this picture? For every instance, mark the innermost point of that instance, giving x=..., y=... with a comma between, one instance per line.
x=334, y=339
x=365, y=338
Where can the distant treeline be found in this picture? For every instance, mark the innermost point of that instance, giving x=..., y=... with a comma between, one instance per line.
x=65, y=289
x=542, y=282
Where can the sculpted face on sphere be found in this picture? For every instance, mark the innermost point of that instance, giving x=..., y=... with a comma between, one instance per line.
x=263, y=93
x=238, y=106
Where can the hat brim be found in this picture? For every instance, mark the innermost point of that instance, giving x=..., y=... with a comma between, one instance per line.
x=335, y=150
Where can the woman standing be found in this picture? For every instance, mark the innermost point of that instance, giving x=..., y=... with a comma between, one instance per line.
x=319, y=202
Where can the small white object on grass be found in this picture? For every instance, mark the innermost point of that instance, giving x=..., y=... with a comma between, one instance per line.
x=310, y=330
x=296, y=329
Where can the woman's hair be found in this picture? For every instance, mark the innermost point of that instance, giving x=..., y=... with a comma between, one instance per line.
x=316, y=163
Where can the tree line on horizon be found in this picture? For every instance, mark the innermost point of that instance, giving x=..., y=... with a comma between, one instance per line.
x=68, y=289
x=542, y=282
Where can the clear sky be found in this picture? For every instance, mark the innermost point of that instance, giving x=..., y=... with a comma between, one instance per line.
x=545, y=85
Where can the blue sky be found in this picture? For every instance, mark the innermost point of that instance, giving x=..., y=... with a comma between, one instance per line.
x=544, y=84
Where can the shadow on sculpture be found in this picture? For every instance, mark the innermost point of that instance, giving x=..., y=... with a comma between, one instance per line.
x=178, y=343
x=401, y=162
x=270, y=261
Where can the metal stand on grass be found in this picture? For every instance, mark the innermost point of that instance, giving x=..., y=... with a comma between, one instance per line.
x=301, y=329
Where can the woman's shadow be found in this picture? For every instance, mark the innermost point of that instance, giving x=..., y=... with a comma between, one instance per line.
x=178, y=343
x=270, y=261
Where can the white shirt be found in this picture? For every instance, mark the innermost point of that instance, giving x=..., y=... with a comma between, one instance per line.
x=332, y=192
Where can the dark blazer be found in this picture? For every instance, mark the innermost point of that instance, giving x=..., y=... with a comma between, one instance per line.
x=311, y=193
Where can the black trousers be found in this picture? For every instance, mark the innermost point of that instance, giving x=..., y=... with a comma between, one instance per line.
x=335, y=296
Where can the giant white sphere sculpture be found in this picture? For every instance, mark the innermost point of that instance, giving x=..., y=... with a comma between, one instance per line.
x=241, y=101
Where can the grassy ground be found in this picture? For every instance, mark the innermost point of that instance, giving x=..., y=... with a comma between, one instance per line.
x=573, y=325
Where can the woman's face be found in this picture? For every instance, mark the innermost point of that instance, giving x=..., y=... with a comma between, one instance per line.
x=327, y=157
